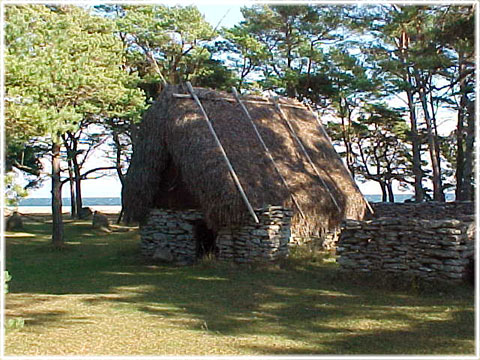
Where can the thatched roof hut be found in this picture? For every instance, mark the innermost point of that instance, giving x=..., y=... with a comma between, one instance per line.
x=177, y=164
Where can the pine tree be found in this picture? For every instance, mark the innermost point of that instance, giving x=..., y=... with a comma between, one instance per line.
x=62, y=66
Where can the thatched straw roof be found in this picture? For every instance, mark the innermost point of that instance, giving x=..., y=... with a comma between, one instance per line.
x=176, y=154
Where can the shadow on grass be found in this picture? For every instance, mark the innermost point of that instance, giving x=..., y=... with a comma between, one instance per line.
x=423, y=339
x=44, y=318
x=306, y=302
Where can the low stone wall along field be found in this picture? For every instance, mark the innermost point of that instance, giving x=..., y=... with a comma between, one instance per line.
x=431, y=249
x=431, y=210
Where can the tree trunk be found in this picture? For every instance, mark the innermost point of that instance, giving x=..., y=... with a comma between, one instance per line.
x=460, y=160
x=438, y=150
x=77, y=176
x=391, y=196
x=118, y=167
x=71, y=181
x=459, y=169
x=467, y=192
x=384, y=190
x=57, y=221
x=290, y=88
x=417, y=163
x=346, y=126
x=416, y=143
x=78, y=186
x=437, y=176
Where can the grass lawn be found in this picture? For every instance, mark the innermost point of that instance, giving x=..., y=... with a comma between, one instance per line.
x=99, y=297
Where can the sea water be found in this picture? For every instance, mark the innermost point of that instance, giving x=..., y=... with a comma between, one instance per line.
x=87, y=201
x=116, y=201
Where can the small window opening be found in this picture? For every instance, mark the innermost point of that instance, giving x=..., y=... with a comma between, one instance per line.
x=204, y=239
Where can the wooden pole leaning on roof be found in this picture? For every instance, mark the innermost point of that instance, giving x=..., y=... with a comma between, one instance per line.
x=224, y=154
x=267, y=151
x=302, y=147
x=322, y=130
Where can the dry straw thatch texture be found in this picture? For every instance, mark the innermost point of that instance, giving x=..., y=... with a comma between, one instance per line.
x=176, y=163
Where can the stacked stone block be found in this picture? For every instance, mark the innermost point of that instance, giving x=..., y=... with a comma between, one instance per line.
x=432, y=210
x=169, y=235
x=266, y=241
x=170, y=232
x=430, y=249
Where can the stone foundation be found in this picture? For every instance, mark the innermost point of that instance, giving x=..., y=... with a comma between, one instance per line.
x=430, y=249
x=265, y=241
x=169, y=235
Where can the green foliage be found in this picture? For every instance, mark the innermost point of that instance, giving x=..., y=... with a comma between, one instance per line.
x=11, y=323
x=7, y=278
x=248, y=53
x=377, y=141
x=63, y=69
x=285, y=44
x=213, y=74
x=62, y=65
x=163, y=44
x=412, y=52
x=14, y=192
x=24, y=155
x=15, y=323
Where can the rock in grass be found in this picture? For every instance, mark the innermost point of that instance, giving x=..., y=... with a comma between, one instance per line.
x=14, y=222
x=100, y=221
x=85, y=213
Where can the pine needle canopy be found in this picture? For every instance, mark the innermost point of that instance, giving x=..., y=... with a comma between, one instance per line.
x=176, y=162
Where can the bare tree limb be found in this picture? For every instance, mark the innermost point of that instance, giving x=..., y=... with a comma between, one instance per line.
x=84, y=175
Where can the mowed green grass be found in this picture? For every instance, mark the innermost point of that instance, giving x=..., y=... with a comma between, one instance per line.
x=99, y=297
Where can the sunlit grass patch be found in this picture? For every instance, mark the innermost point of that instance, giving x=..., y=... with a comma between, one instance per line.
x=18, y=234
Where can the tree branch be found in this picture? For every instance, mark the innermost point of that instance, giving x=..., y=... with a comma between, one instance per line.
x=84, y=175
x=25, y=168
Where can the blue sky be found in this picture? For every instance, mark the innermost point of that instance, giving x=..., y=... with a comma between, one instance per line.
x=227, y=15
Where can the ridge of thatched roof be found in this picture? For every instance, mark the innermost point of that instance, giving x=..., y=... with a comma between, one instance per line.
x=174, y=130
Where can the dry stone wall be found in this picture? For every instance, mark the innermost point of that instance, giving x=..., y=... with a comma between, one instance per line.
x=266, y=241
x=431, y=210
x=430, y=249
x=169, y=235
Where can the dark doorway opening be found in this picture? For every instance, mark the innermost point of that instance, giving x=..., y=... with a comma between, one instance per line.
x=204, y=239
